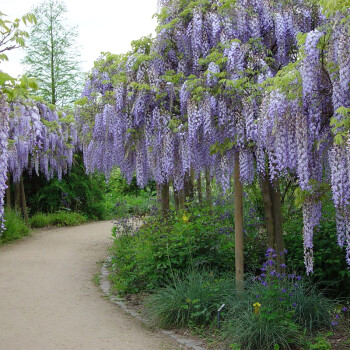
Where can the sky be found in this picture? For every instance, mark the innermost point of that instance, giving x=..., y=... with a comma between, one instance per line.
x=103, y=25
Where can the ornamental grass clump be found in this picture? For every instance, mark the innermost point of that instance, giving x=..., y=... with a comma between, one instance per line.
x=277, y=309
x=190, y=299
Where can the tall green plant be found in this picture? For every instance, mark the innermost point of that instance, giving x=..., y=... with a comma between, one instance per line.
x=52, y=56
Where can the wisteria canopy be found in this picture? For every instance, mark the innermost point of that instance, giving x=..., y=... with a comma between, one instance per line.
x=268, y=80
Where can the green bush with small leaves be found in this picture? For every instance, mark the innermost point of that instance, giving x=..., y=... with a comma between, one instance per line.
x=16, y=228
x=58, y=219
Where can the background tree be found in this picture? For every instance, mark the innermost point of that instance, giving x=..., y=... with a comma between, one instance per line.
x=52, y=56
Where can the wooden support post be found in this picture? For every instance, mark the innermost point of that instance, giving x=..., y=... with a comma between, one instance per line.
x=239, y=238
x=208, y=187
x=8, y=192
x=24, y=202
x=165, y=199
x=199, y=188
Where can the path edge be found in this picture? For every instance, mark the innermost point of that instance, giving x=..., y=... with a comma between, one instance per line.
x=105, y=286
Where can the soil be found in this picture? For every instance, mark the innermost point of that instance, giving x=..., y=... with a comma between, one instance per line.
x=48, y=299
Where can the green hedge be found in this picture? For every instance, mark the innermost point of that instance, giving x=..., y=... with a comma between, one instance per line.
x=57, y=219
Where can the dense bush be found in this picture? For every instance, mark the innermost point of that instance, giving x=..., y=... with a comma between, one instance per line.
x=77, y=192
x=203, y=237
x=57, y=219
x=140, y=205
x=15, y=227
x=118, y=186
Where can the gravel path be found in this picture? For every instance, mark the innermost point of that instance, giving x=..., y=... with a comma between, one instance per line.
x=48, y=300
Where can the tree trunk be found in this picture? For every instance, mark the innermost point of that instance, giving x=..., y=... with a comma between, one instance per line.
x=208, y=187
x=52, y=58
x=179, y=199
x=191, y=185
x=176, y=199
x=158, y=193
x=186, y=187
x=165, y=199
x=239, y=256
x=24, y=202
x=8, y=192
x=265, y=187
x=278, y=224
x=18, y=196
x=273, y=218
x=199, y=188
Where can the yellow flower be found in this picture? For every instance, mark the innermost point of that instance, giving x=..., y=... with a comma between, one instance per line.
x=185, y=219
x=256, y=308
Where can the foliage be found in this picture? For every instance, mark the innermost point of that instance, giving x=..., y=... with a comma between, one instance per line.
x=203, y=237
x=275, y=314
x=57, y=219
x=52, y=56
x=11, y=35
x=331, y=272
x=15, y=227
x=262, y=79
x=141, y=205
x=276, y=310
x=191, y=298
x=118, y=185
x=77, y=192
x=320, y=343
x=129, y=199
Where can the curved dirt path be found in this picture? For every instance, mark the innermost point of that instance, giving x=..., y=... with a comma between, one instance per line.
x=48, y=300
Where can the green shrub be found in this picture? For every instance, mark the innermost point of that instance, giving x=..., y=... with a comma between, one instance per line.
x=145, y=259
x=77, y=191
x=39, y=220
x=265, y=332
x=134, y=205
x=15, y=227
x=57, y=219
x=119, y=187
x=191, y=298
x=276, y=310
x=320, y=343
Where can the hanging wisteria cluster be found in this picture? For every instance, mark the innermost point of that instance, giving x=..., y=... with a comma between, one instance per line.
x=295, y=126
x=40, y=140
x=4, y=133
x=218, y=80
x=33, y=137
